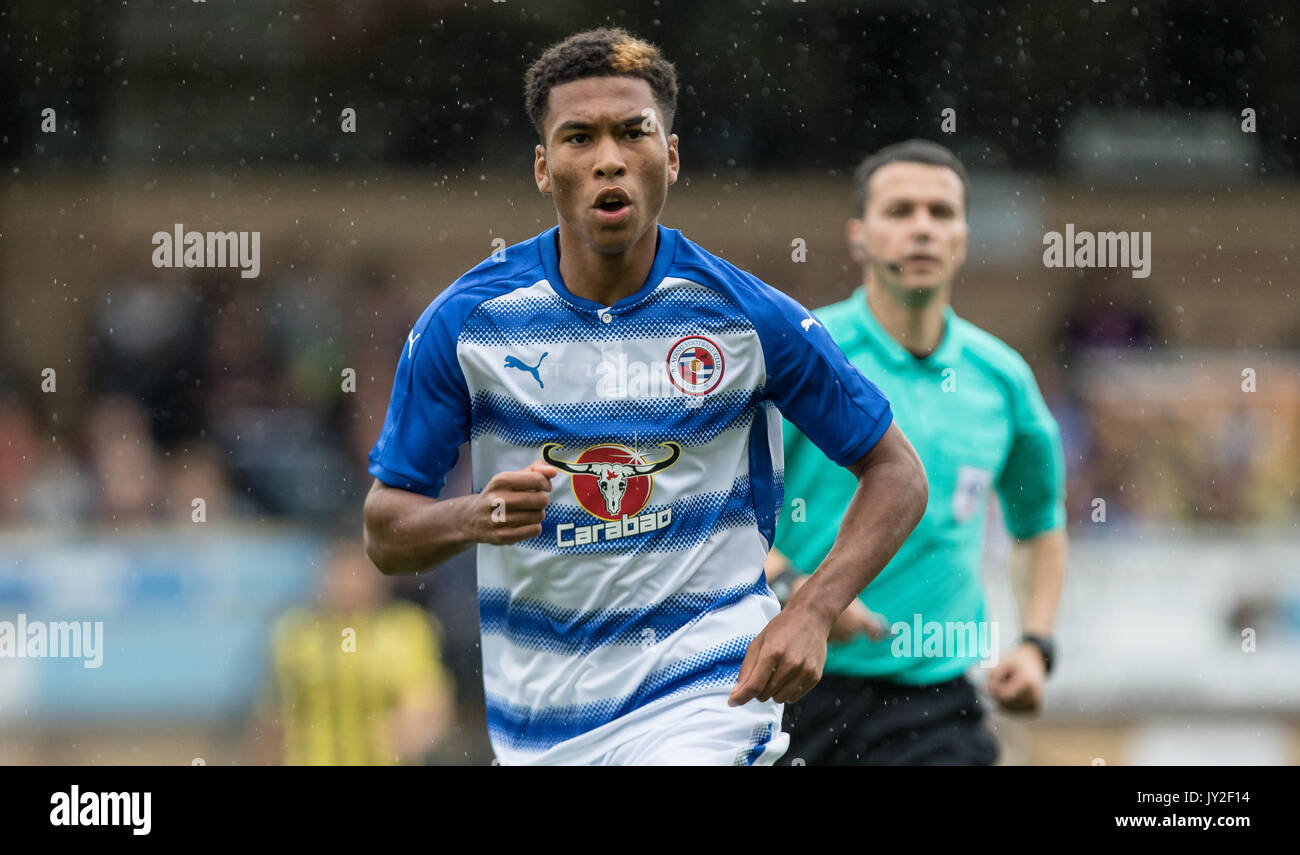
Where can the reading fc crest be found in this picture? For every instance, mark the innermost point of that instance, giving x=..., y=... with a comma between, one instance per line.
x=695, y=365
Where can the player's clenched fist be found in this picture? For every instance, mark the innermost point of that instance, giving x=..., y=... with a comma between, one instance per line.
x=511, y=506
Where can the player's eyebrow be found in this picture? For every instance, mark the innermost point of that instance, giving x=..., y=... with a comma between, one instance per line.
x=572, y=125
x=587, y=124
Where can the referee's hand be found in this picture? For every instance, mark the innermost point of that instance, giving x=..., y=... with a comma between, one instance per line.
x=856, y=620
x=1017, y=682
x=511, y=506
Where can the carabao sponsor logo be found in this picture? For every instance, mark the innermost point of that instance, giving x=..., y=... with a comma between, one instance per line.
x=611, y=480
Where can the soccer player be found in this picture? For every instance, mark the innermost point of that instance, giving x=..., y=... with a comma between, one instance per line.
x=619, y=387
x=974, y=412
x=357, y=678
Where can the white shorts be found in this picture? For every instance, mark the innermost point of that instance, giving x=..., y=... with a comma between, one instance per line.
x=696, y=731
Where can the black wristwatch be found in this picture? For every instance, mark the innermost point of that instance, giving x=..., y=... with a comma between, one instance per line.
x=1046, y=649
x=783, y=584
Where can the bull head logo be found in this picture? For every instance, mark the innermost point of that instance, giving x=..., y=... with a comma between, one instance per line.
x=612, y=478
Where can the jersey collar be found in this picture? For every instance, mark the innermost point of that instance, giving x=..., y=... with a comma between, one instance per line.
x=943, y=356
x=551, y=265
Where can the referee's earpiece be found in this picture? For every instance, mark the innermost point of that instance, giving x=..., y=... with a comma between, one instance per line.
x=864, y=258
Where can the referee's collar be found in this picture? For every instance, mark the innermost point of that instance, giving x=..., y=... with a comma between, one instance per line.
x=664, y=252
x=945, y=355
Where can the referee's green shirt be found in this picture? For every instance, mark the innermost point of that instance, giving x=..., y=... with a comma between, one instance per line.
x=974, y=414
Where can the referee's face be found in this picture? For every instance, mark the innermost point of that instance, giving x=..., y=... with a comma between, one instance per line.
x=608, y=160
x=912, y=236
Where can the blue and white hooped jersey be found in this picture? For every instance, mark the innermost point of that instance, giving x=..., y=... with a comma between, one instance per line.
x=663, y=413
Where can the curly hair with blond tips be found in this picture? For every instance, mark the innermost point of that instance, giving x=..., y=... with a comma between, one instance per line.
x=603, y=52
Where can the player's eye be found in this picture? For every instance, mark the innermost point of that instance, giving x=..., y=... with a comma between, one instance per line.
x=635, y=133
x=578, y=138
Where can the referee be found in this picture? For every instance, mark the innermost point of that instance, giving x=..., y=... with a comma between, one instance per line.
x=895, y=690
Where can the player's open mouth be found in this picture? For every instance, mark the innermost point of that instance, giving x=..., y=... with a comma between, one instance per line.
x=612, y=205
x=613, y=212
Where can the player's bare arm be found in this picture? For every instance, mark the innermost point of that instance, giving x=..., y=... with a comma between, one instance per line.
x=785, y=660
x=854, y=621
x=409, y=533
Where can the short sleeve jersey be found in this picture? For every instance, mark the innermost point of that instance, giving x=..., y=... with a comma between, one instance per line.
x=663, y=413
x=973, y=411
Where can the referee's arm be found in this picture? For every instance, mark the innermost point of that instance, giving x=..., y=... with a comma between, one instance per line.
x=785, y=660
x=1032, y=490
x=889, y=502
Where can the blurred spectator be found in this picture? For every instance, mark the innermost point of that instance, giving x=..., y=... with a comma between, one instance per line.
x=41, y=481
x=19, y=458
x=241, y=361
x=146, y=343
x=357, y=679
x=1108, y=313
x=127, y=471
x=61, y=492
x=197, y=473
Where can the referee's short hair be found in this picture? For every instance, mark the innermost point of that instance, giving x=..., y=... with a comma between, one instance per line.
x=911, y=151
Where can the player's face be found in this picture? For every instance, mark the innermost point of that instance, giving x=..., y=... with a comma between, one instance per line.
x=607, y=162
x=913, y=230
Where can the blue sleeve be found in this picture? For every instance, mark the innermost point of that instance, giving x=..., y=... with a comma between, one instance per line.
x=813, y=384
x=428, y=414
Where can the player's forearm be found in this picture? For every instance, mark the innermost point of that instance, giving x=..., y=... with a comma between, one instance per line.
x=888, y=504
x=407, y=533
x=1044, y=578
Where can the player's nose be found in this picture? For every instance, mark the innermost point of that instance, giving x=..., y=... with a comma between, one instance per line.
x=609, y=159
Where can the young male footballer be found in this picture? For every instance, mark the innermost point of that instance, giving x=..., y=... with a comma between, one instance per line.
x=972, y=407
x=622, y=392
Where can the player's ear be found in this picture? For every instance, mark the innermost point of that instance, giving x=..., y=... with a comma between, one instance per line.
x=540, y=173
x=853, y=235
x=674, y=160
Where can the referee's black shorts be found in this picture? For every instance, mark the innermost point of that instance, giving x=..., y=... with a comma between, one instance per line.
x=858, y=721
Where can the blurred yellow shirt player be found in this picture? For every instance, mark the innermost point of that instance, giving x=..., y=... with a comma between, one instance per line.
x=359, y=680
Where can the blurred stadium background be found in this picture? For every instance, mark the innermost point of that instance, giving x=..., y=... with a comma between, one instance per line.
x=176, y=384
